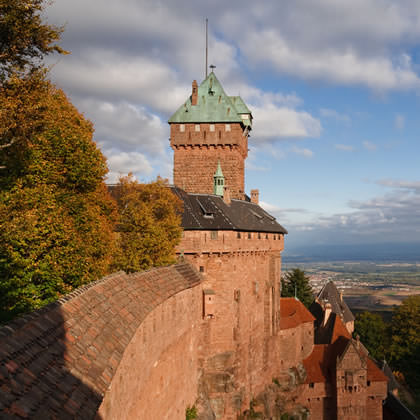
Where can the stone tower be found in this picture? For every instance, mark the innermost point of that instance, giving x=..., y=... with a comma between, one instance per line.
x=210, y=127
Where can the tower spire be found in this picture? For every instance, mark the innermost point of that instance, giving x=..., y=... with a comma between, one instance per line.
x=219, y=181
x=207, y=45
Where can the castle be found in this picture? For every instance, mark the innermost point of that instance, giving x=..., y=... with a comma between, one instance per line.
x=210, y=334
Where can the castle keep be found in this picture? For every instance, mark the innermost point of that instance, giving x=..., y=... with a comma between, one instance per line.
x=211, y=332
x=210, y=127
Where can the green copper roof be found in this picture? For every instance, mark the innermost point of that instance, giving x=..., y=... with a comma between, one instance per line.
x=219, y=181
x=218, y=172
x=240, y=105
x=213, y=105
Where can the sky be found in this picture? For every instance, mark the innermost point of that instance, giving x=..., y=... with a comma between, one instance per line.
x=333, y=87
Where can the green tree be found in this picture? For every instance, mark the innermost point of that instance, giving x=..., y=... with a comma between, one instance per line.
x=296, y=283
x=149, y=224
x=373, y=333
x=56, y=217
x=405, y=344
x=24, y=38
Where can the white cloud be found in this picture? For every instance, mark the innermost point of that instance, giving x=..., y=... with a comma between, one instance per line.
x=121, y=163
x=302, y=152
x=369, y=146
x=276, y=122
x=394, y=216
x=344, y=66
x=344, y=147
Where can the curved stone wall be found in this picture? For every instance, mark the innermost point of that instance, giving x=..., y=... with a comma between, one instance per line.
x=61, y=361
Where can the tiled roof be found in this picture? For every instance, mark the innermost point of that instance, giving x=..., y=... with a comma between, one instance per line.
x=329, y=293
x=210, y=212
x=315, y=365
x=320, y=365
x=293, y=313
x=338, y=329
x=57, y=362
x=375, y=374
x=213, y=105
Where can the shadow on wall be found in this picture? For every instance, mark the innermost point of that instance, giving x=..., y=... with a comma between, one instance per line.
x=58, y=362
x=36, y=380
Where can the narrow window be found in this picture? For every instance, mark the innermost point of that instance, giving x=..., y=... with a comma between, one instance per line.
x=227, y=127
x=214, y=234
x=182, y=128
x=259, y=235
x=201, y=269
x=311, y=385
x=205, y=134
x=211, y=127
x=220, y=134
x=238, y=235
x=249, y=235
x=197, y=127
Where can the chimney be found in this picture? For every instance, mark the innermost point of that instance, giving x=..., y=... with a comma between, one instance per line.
x=255, y=194
x=327, y=312
x=226, y=195
x=194, y=94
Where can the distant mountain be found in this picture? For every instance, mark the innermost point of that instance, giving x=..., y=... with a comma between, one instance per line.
x=391, y=252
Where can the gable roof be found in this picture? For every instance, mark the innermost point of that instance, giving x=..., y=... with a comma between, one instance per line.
x=213, y=105
x=210, y=212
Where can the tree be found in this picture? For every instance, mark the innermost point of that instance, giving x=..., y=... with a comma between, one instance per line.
x=149, y=224
x=373, y=333
x=296, y=283
x=405, y=344
x=56, y=217
x=24, y=38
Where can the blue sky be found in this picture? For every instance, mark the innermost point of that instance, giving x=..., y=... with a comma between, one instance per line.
x=333, y=86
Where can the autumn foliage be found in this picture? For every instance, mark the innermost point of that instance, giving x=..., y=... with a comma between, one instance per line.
x=149, y=224
x=24, y=38
x=56, y=217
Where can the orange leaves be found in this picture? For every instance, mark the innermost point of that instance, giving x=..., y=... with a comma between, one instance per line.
x=26, y=39
x=56, y=216
x=149, y=224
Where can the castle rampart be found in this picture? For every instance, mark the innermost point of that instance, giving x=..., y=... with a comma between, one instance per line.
x=116, y=344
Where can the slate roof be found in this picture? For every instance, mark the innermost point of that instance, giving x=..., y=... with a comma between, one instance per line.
x=329, y=293
x=58, y=362
x=395, y=409
x=210, y=212
x=213, y=106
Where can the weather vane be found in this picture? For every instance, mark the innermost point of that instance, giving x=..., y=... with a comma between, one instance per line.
x=212, y=66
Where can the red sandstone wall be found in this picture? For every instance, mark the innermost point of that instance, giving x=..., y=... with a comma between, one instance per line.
x=239, y=346
x=296, y=344
x=200, y=241
x=196, y=155
x=130, y=337
x=157, y=376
